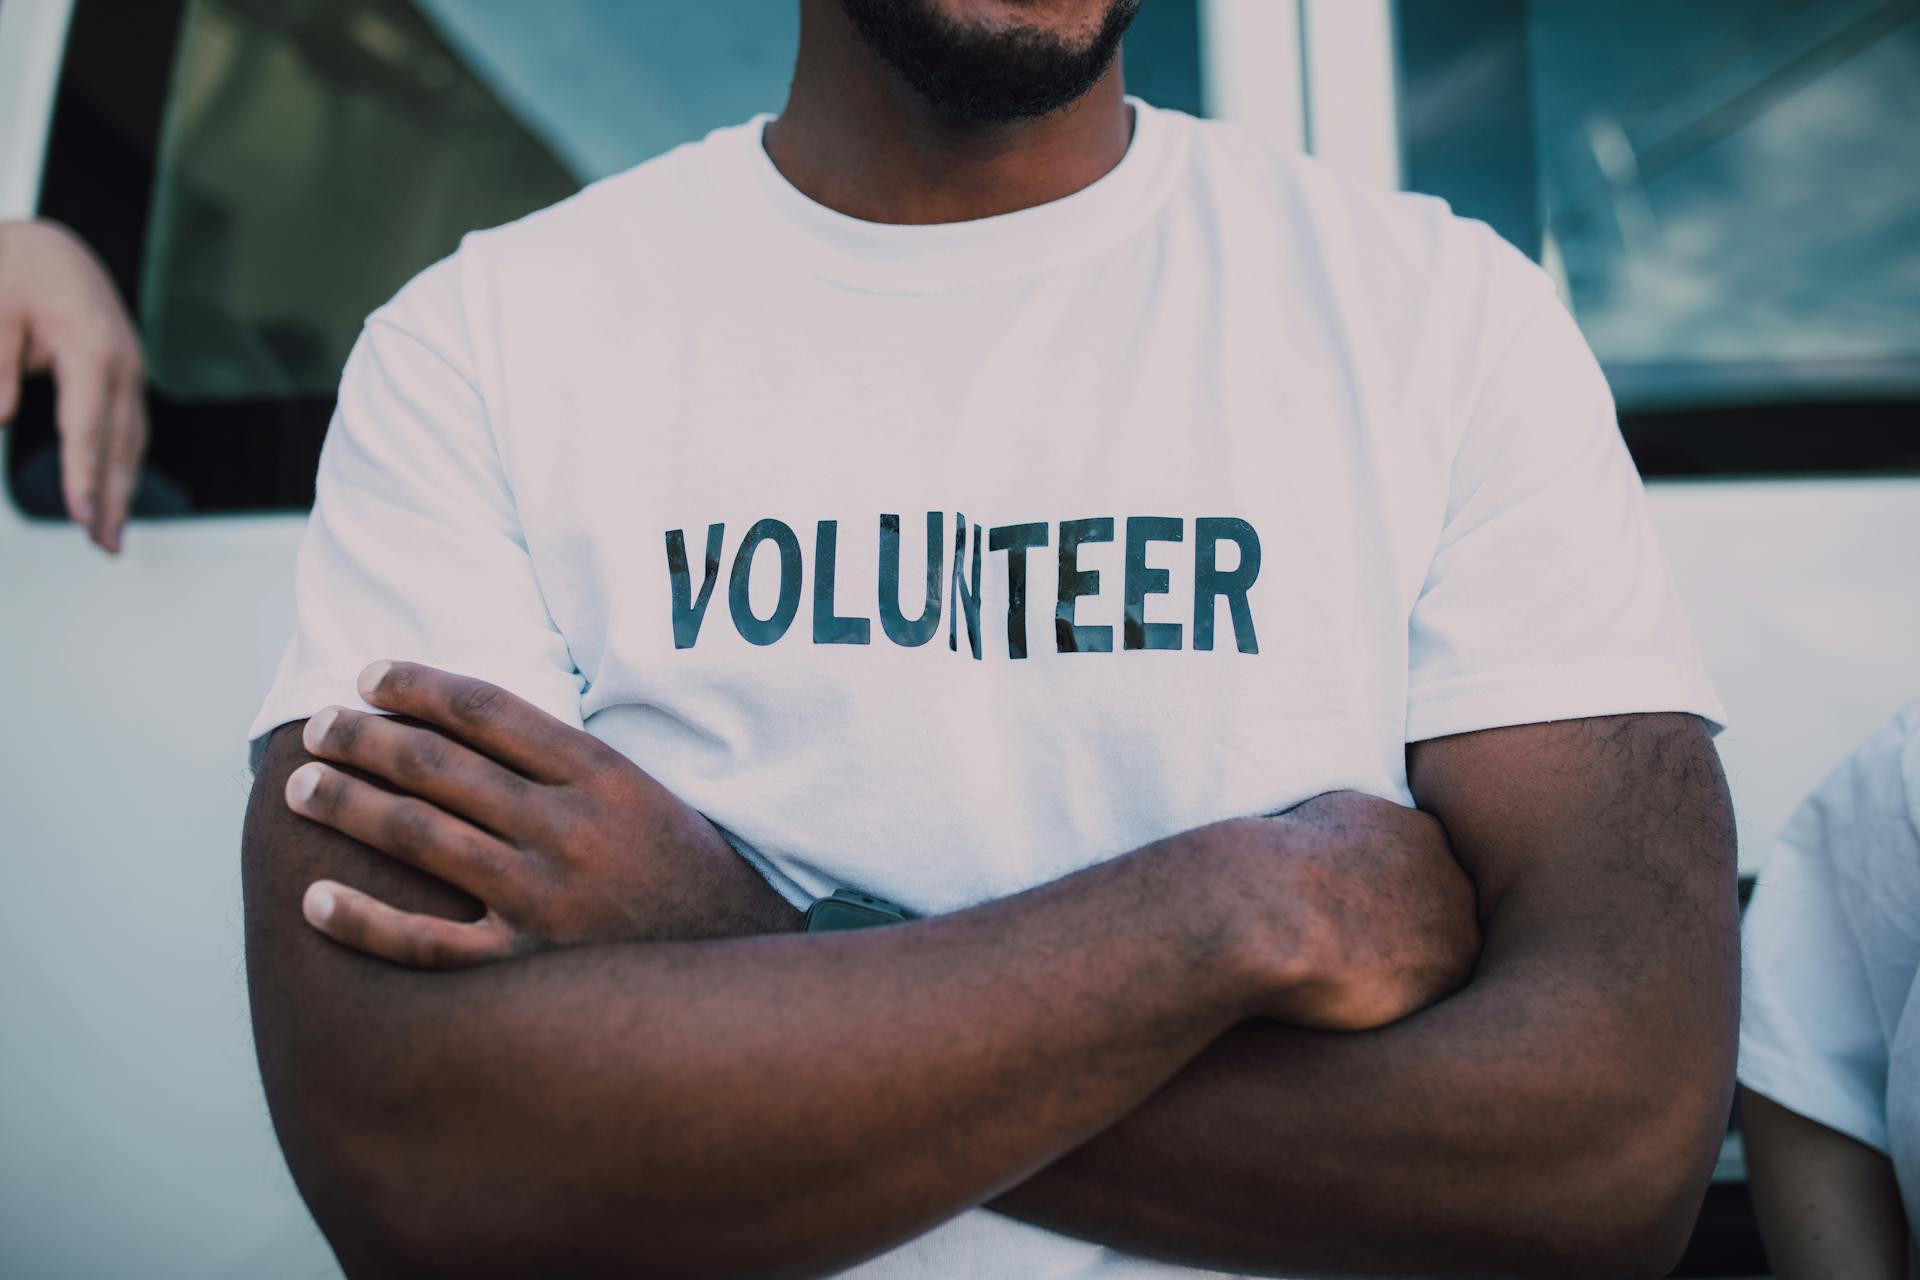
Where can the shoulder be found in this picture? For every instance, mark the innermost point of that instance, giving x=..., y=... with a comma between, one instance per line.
x=620, y=214
x=611, y=230
x=1431, y=305
x=1387, y=246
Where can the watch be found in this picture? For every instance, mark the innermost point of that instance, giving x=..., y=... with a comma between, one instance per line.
x=851, y=909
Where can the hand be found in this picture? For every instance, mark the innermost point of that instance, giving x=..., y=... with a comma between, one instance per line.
x=59, y=312
x=564, y=840
x=1368, y=916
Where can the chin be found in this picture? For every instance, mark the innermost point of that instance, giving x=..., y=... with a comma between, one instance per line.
x=1067, y=19
x=994, y=61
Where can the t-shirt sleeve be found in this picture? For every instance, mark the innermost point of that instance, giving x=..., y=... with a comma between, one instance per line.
x=1829, y=946
x=414, y=548
x=1547, y=597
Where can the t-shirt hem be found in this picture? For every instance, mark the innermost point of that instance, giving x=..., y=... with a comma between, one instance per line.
x=1806, y=1093
x=1568, y=693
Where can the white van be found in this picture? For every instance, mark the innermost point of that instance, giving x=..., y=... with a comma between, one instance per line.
x=1725, y=189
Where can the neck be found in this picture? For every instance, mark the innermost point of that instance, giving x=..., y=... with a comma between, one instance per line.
x=854, y=138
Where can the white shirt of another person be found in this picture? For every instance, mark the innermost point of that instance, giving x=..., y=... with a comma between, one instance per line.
x=1828, y=1027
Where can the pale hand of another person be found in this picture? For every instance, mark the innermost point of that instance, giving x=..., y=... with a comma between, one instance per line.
x=562, y=839
x=59, y=313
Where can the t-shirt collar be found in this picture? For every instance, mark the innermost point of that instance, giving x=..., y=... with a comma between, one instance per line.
x=896, y=258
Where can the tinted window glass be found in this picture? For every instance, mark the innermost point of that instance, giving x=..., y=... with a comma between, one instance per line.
x=311, y=157
x=1727, y=191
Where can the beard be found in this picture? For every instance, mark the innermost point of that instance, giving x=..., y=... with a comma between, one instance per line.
x=986, y=75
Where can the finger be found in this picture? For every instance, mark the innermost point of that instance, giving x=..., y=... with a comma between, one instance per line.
x=13, y=346
x=508, y=728
x=358, y=920
x=82, y=399
x=430, y=765
x=125, y=445
x=406, y=828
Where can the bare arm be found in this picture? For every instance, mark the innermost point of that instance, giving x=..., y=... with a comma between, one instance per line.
x=582, y=1102
x=1558, y=1116
x=1828, y=1205
x=595, y=1107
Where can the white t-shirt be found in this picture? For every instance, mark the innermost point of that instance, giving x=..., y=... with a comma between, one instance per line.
x=1305, y=471
x=1828, y=1027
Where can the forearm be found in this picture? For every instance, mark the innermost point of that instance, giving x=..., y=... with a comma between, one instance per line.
x=1827, y=1205
x=1558, y=1116
x=1476, y=1137
x=593, y=1107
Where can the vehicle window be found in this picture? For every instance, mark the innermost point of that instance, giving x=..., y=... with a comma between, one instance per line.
x=1726, y=191
x=260, y=174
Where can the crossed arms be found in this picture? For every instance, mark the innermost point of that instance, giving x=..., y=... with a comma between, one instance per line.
x=1211, y=1050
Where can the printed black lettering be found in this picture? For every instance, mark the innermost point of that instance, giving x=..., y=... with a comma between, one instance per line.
x=1016, y=540
x=1076, y=582
x=922, y=628
x=966, y=599
x=687, y=610
x=829, y=627
x=1209, y=582
x=769, y=629
x=966, y=586
x=1142, y=582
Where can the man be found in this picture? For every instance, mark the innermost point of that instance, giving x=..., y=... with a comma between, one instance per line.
x=1324, y=498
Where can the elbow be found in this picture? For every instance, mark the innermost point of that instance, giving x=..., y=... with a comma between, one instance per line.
x=1642, y=1233
x=388, y=1212
x=379, y=1227
x=343, y=1173
x=404, y=1183
x=359, y=1163
x=1629, y=1207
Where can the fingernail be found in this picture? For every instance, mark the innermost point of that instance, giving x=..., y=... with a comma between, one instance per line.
x=83, y=511
x=302, y=783
x=370, y=678
x=316, y=731
x=318, y=904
